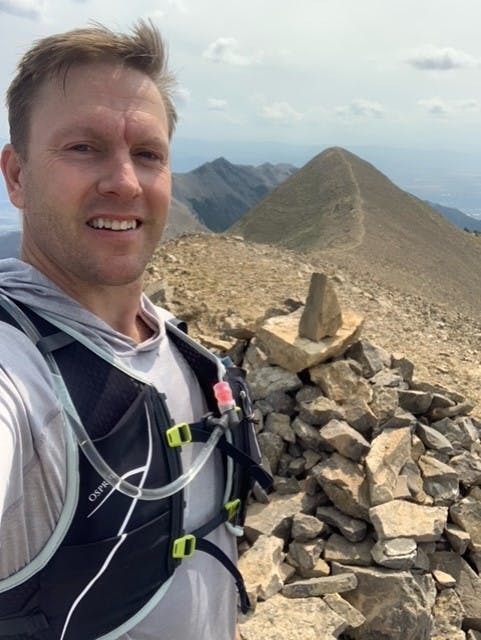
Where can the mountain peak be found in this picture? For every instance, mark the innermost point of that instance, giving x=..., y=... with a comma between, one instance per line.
x=221, y=162
x=220, y=192
x=344, y=207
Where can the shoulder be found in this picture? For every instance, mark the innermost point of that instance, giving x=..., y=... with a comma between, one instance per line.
x=31, y=422
x=27, y=395
x=19, y=356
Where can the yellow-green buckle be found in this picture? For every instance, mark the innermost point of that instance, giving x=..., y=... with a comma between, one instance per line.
x=178, y=435
x=183, y=547
x=232, y=508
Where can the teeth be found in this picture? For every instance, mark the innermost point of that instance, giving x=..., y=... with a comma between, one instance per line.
x=114, y=225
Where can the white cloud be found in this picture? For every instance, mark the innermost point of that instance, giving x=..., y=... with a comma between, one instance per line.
x=216, y=104
x=31, y=9
x=439, y=107
x=440, y=58
x=435, y=106
x=281, y=112
x=226, y=50
x=469, y=105
x=361, y=107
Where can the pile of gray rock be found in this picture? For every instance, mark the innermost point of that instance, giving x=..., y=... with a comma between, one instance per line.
x=373, y=530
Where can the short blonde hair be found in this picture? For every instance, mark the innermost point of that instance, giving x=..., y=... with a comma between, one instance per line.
x=143, y=49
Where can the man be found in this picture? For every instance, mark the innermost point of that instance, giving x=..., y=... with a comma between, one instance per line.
x=88, y=165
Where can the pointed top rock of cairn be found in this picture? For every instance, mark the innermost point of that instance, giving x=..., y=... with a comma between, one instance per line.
x=322, y=315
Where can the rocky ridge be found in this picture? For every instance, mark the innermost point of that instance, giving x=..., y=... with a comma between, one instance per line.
x=220, y=284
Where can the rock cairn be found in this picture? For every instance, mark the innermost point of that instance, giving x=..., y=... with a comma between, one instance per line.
x=373, y=530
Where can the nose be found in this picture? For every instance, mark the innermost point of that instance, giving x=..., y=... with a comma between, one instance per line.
x=119, y=178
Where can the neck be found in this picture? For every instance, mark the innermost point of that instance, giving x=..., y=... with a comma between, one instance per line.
x=119, y=307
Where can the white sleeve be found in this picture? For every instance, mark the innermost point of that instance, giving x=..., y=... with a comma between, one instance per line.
x=8, y=429
x=6, y=459
x=32, y=465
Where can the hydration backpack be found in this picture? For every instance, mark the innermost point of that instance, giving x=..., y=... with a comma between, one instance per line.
x=125, y=549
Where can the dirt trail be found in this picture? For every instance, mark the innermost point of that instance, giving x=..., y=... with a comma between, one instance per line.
x=358, y=201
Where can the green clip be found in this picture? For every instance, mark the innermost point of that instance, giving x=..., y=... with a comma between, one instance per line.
x=178, y=435
x=232, y=508
x=183, y=547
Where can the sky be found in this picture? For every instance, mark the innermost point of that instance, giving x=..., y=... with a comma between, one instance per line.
x=355, y=73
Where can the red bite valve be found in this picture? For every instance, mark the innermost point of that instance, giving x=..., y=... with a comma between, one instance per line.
x=223, y=395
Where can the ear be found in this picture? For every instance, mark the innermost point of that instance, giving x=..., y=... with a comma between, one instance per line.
x=12, y=169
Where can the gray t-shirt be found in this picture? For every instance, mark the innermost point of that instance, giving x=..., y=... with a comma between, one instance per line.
x=200, y=603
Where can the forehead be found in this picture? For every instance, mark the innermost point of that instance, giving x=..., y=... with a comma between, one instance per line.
x=100, y=93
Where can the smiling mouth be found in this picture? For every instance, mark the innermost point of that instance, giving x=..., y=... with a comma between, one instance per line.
x=114, y=225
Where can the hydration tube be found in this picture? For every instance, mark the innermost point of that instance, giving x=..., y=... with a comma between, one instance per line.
x=225, y=403
x=129, y=489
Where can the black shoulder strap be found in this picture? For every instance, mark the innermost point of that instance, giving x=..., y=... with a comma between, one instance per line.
x=100, y=392
x=204, y=368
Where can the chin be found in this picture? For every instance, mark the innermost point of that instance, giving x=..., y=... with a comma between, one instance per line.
x=117, y=278
x=120, y=270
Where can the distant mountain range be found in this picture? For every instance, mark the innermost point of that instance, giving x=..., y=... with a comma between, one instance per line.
x=218, y=193
x=457, y=217
x=9, y=244
x=433, y=174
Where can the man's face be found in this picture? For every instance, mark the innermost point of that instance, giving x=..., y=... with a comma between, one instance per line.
x=95, y=186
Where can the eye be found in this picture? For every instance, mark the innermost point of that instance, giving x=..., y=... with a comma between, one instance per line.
x=148, y=155
x=81, y=147
x=151, y=156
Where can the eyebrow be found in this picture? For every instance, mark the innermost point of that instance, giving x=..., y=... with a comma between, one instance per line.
x=88, y=131
x=79, y=130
